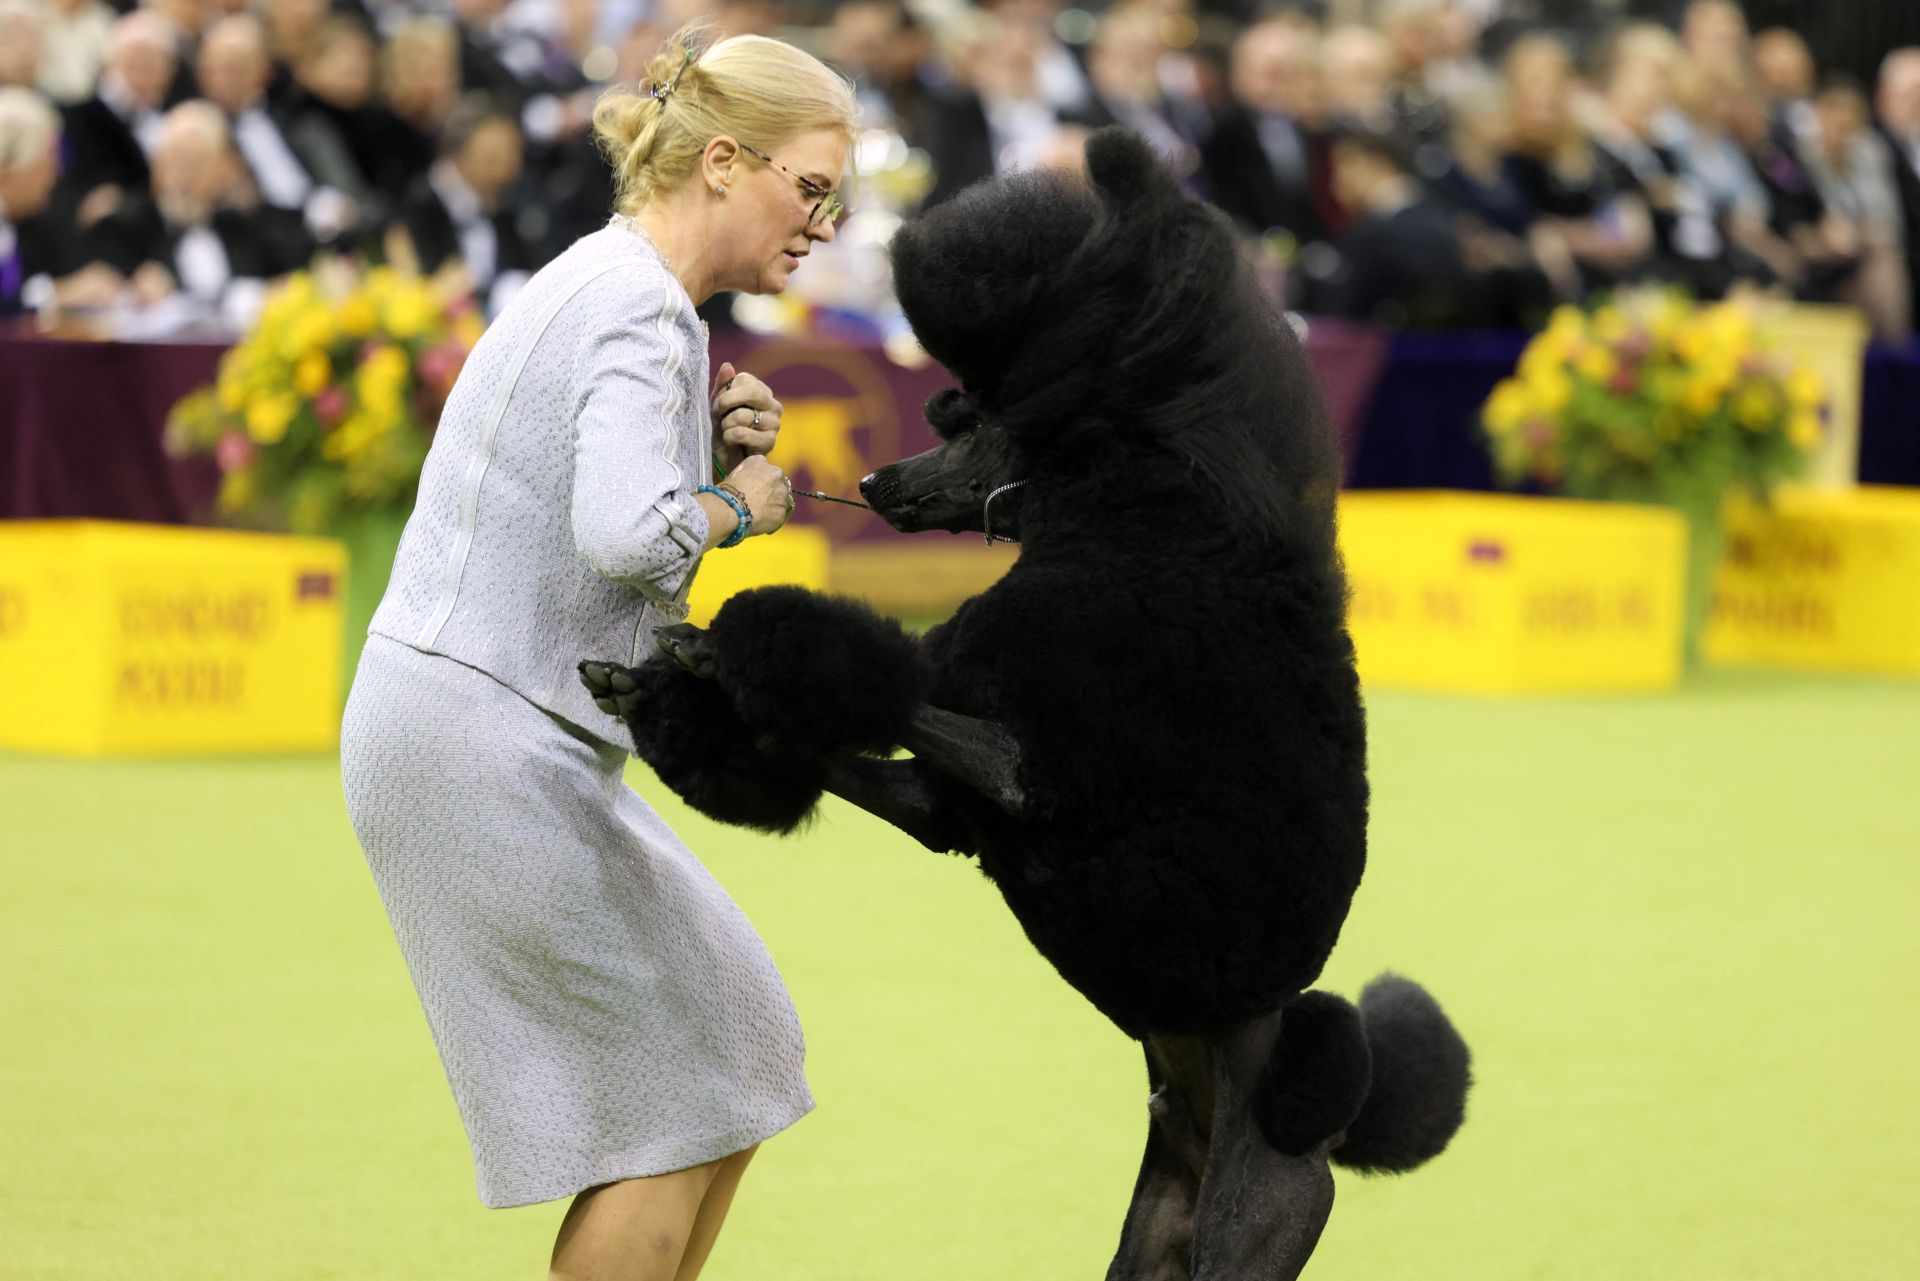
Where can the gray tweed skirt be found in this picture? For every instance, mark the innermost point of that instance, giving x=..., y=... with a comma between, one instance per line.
x=602, y=1008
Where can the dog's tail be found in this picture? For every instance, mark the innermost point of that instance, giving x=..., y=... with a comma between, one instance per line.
x=1392, y=1075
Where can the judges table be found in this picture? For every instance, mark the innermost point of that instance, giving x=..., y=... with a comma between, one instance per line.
x=81, y=421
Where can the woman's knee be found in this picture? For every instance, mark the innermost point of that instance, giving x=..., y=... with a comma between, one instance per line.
x=631, y=1228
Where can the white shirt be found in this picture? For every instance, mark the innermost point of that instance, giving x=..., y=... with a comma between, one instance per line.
x=479, y=245
x=1021, y=130
x=283, y=179
x=143, y=121
x=201, y=264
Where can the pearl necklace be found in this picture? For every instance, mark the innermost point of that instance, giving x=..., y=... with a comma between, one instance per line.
x=628, y=223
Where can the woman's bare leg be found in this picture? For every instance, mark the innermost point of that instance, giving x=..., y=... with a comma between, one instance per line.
x=713, y=1212
x=633, y=1230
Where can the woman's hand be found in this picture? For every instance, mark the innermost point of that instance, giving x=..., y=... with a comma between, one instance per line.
x=746, y=418
x=768, y=492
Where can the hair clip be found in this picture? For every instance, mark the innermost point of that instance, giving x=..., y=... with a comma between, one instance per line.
x=655, y=91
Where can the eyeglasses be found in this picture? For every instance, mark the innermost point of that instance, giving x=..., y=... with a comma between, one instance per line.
x=828, y=204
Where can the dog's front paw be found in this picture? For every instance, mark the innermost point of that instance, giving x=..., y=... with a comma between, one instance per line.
x=690, y=647
x=816, y=674
x=686, y=729
x=615, y=689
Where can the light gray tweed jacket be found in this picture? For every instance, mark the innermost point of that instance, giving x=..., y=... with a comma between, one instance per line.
x=556, y=518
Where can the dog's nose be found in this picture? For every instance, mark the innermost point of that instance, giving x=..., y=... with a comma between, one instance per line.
x=881, y=489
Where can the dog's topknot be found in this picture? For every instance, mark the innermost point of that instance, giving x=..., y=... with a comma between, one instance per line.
x=1118, y=309
x=1122, y=167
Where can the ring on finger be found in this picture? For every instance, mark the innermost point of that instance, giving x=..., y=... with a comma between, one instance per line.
x=756, y=420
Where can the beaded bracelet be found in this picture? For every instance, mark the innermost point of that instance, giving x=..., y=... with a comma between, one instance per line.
x=738, y=501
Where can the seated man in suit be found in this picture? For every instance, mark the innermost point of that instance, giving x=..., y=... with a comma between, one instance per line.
x=1138, y=81
x=457, y=219
x=1266, y=161
x=40, y=265
x=995, y=117
x=1403, y=262
x=110, y=135
x=201, y=228
x=1899, y=107
x=234, y=70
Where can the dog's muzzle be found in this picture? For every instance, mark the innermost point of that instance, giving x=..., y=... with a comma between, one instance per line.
x=881, y=489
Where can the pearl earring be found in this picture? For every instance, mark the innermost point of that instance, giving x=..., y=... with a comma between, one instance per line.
x=720, y=190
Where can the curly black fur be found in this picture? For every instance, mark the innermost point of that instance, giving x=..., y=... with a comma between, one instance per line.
x=701, y=749
x=1421, y=1074
x=821, y=675
x=1316, y=1081
x=1170, y=650
x=1122, y=312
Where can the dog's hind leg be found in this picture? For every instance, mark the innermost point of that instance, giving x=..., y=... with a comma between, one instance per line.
x=1157, y=1236
x=1260, y=1211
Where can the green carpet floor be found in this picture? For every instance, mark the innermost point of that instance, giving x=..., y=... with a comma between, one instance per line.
x=1679, y=932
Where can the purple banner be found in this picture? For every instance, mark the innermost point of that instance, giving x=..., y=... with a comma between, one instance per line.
x=81, y=422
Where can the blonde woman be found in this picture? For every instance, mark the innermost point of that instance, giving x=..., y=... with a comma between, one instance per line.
x=611, y=1025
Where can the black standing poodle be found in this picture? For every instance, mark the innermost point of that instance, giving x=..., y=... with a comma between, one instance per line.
x=1149, y=732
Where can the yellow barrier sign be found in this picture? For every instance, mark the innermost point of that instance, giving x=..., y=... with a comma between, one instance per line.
x=1822, y=580
x=1502, y=594
x=124, y=639
x=799, y=554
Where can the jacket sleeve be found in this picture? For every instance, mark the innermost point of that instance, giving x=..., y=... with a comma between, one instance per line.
x=635, y=520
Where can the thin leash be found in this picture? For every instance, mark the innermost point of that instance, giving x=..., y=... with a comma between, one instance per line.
x=720, y=473
x=829, y=498
x=986, y=508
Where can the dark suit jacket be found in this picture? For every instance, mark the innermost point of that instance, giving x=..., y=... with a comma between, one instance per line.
x=367, y=153
x=99, y=149
x=1908, y=179
x=1402, y=269
x=260, y=243
x=958, y=142
x=436, y=239
x=1241, y=180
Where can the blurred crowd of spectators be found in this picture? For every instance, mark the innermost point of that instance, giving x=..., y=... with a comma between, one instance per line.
x=1424, y=162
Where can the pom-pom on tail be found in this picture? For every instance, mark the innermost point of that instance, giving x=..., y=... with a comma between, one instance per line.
x=1315, y=1082
x=1421, y=1074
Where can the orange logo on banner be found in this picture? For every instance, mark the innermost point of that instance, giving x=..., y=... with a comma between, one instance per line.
x=816, y=440
x=829, y=441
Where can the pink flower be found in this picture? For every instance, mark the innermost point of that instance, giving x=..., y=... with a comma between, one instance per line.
x=235, y=451
x=330, y=406
x=439, y=366
x=1623, y=383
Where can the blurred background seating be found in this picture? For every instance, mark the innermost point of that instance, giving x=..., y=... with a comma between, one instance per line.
x=1521, y=152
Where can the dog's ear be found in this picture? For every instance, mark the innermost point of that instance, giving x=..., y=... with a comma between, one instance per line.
x=1124, y=169
x=952, y=413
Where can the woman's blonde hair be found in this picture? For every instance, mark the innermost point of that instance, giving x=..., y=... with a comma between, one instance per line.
x=752, y=88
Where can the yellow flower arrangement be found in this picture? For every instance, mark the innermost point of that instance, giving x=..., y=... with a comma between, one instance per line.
x=1654, y=399
x=325, y=410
